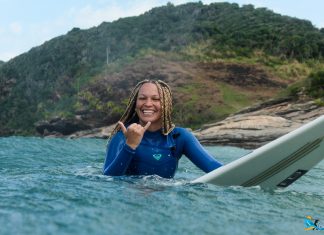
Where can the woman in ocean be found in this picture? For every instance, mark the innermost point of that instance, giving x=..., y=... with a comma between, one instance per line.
x=146, y=142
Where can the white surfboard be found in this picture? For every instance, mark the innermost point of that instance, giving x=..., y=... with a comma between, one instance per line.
x=276, y=164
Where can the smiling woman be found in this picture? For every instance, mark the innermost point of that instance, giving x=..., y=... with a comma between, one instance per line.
x=146, y=142
x=148, y=106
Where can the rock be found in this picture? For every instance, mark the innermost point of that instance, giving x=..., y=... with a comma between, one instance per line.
x=246, y=131
x=101, y=133
x=6, y=132
x=84, y=122
x=258, y=125
x=60, y=126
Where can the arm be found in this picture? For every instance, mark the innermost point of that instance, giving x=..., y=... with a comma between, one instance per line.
x=118, y=156
x=122, y=147
x=197, y=154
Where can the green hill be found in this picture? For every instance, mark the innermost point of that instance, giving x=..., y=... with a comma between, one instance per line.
x=215, y=56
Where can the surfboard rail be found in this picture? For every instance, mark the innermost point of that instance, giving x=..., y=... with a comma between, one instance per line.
x=276, y=164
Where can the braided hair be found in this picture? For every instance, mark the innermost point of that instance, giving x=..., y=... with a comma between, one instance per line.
x=130, y=116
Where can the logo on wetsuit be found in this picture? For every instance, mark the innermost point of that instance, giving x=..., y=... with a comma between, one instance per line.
x=157, y=156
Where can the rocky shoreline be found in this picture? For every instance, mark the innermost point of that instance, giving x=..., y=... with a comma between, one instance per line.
x=249, y=128
x=258, y=125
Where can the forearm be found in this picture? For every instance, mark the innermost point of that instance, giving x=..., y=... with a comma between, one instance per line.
x=199, y=156
x=117, y=163
x=118, y=156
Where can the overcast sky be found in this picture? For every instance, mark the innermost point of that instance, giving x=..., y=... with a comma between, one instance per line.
x=28, y=23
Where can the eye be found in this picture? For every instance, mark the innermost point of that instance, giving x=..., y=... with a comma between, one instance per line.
x=156, y=98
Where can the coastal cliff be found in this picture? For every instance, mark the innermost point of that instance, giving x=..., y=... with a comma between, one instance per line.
x=217, y=58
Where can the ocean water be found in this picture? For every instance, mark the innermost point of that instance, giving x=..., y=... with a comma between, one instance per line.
x=55, y=186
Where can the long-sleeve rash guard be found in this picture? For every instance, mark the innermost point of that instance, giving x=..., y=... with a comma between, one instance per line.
x=157, y=154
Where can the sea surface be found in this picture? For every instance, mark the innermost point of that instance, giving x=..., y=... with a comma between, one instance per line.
x=56, y=186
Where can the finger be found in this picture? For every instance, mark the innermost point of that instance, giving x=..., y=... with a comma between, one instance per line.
x=122, y=127
x=147, y=125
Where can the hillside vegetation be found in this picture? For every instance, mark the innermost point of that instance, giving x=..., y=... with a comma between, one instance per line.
x=218, y=58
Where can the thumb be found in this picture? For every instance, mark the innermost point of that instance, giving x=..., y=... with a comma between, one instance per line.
x=122, y=127
x=147, y=125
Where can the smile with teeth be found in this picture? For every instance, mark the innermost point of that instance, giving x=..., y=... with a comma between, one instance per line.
x=148, y=112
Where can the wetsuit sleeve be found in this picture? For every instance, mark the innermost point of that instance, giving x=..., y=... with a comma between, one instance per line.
x=118, y=156
x=197, y=154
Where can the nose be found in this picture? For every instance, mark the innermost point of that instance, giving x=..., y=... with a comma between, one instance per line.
x=148, y=102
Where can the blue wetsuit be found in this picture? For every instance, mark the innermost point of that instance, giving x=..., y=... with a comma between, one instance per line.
x=157, y=154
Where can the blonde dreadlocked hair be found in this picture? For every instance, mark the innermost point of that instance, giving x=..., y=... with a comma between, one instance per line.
x=130, y=115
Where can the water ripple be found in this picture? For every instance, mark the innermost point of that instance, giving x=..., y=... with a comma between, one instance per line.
x=56, y=186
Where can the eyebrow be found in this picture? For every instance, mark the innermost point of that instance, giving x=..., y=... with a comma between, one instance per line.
x=148, y=95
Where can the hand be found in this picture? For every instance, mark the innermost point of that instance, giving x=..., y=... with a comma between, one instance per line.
x=134, y=133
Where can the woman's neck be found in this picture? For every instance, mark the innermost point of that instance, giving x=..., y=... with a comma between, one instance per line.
x=153, y=127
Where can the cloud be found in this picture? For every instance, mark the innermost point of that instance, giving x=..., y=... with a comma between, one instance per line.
x=15, y=28
x=89, y=15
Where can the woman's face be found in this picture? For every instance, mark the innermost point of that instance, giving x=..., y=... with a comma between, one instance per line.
x=148, y=106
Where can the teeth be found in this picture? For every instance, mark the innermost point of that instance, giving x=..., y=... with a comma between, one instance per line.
x=148, y=111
